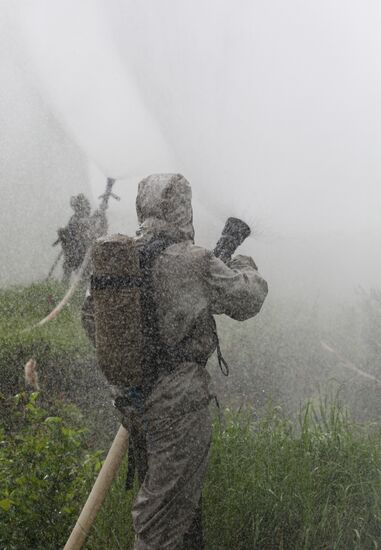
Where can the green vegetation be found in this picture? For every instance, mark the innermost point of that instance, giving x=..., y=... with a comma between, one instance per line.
x=270, y=484
x=57, y=346
x=65, y=358
x=273, y=483
x=46, y=469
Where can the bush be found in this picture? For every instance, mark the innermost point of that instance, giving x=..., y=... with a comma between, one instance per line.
x=45, y=472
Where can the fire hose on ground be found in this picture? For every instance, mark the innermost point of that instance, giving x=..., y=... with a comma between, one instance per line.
x=99, y=491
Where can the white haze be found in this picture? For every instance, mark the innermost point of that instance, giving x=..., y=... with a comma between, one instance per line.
x=88, y=88
x=271, y=109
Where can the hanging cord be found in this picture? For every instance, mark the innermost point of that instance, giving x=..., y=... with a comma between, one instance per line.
x=224, y=367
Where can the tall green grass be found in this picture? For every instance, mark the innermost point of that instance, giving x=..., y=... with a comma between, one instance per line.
x=276, y=485
x=272, y=484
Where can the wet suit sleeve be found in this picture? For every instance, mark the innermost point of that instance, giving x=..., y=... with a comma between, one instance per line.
x=237, y=289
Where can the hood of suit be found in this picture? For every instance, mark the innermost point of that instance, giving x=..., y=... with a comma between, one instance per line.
x=164, y=208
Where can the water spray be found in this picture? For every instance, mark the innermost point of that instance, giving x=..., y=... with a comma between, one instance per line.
x=105, y=197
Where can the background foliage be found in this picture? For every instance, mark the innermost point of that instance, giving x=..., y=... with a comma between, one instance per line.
x=46, y=469
x=277, y=478
x=273, y=484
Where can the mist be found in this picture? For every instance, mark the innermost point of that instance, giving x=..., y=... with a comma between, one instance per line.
x=274, y=113
x=271, y=111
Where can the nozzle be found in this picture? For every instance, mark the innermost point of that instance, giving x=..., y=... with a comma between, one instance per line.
x=233, y=235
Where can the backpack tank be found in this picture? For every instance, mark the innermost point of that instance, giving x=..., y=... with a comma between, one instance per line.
x=116, y=286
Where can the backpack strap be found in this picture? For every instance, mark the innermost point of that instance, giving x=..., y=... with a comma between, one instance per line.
x=155, y=352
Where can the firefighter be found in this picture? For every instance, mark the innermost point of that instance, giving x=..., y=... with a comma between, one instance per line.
x=80, y=232
x=168, y=415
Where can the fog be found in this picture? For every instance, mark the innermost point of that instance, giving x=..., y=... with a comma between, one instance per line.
x=271, y=110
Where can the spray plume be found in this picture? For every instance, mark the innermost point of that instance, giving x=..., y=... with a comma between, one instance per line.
x=348, y=364
x=88, y=88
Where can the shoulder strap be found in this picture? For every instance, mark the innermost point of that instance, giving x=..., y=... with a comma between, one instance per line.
x=154, y=351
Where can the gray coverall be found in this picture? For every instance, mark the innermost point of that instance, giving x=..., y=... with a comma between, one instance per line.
x=190, y=286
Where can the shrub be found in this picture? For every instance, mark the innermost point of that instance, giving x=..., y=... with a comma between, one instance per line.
x=45, y=472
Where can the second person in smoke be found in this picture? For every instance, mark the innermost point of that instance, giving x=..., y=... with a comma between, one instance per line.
x=80, y=232
x=168, y=416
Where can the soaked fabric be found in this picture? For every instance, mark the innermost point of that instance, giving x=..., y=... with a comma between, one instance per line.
x=80, y=232
x=164, y=207
x=177, y=452
x=190, y=285
x=75, y=239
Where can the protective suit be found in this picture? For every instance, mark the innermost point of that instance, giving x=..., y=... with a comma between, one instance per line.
x=190, y=285
x=80, y=232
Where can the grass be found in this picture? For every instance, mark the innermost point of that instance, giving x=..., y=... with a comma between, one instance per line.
x=22, y=307
x=272, y=483
x=56, y=346
x=276, y=485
